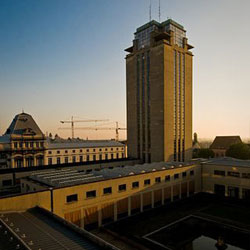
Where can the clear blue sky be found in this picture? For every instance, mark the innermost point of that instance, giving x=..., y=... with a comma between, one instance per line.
x=60, y=58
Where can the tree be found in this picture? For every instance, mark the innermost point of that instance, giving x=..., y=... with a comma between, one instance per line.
x=239, y=151
x=203, y=153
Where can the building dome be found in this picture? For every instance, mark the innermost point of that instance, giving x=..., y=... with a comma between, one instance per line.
x=23, y=124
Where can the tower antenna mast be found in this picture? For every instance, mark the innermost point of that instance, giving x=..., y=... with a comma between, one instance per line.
x=159, y=10
x=150, y=10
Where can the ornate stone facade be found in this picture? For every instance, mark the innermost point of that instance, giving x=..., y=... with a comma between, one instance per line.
x=23, y=144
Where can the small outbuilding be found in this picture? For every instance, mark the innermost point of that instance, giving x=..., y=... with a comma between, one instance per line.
x=222, y=143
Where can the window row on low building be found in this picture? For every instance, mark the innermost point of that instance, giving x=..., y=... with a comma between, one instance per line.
x=85, y=150
x=124, y=187
x=232, y=174
x=84, y=158
x=232, y=191
x=28, y=145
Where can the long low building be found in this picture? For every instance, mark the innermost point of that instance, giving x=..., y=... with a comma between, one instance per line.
x=94, y=198
x=71, y=151
x=10, y=177
x=87, y=199
x=227, y=177
x=25, y=145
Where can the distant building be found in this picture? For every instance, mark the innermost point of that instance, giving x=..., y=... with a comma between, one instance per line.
x=227, y=177
x=71, y=151
x=24, y=145
x=159, y=93
x=222, y=143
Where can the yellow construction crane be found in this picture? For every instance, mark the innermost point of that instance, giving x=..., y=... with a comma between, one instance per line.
x=72, y=122
x=117, y=128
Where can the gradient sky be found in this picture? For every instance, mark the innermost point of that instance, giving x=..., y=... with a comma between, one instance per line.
x=60, y=58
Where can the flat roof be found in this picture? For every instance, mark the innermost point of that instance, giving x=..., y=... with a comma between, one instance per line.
x=228, y=161
x=77, y=165
x=146, y=25
x=33, y=229
x=64, y=178
x=171, y=21
x=82, y=144
x=153, y=22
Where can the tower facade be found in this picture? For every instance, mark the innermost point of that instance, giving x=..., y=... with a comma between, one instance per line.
x=159, y=93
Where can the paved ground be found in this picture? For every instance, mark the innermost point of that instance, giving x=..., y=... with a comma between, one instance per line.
x=119, y=242
x=132, y=229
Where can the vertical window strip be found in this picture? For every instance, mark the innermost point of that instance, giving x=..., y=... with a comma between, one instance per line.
x=179, y=109
x=183, y=107
x=138, y=108
x=175, y=106
x=148, y=106
x=143, y=104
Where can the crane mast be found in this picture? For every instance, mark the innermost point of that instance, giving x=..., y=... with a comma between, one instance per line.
x=72, y=122
x=116, y=128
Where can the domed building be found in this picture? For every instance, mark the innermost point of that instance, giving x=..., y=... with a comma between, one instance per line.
x=22, y=145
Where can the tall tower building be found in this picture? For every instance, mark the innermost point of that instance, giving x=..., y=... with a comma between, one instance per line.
x=159, y=93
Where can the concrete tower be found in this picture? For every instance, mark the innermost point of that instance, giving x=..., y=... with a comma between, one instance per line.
x=159, y=93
